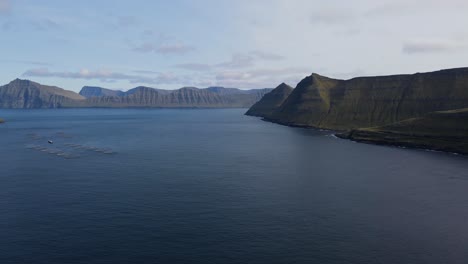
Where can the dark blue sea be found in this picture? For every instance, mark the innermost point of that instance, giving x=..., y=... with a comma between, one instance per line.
x=215, y=186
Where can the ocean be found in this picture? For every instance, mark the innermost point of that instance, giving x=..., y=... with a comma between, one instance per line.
x=215, y=186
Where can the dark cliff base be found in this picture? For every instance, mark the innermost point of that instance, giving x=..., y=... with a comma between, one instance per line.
x=284, y=123
x=445, y=131
x=442, y=131
x=292, y=124
x=445, y=144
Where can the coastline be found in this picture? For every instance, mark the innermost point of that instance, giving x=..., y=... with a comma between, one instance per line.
x=388, y=139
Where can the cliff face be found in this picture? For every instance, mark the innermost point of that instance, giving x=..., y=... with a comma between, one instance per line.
x=27, y=94
x=328, y=103
x=184, y=97
x=270, y=102
x=442, y=130
x=426, y=110
x=94, y=91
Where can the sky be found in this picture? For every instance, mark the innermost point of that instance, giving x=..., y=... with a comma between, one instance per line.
x=122, y=44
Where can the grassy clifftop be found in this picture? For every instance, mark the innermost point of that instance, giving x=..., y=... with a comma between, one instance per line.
x=324, y=102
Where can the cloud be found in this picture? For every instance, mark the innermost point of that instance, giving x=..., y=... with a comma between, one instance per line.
x=266, y=55
x=177, y=48
x=388, y=9
x=431, y=46
x=40, y=63
x=45, y=24
x=146, y=72
x=125, y=21
x=331, y=17
x=348, y=74
x=194, y=66
x=5, y=6
x=259, y=73
x=174, y=48
x=254, y=78
x=238, y=60
x=260, y=77
x=244, y=60
x=106, y=76
x=148, y=32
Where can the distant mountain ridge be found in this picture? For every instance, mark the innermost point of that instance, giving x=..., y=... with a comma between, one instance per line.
x=184, y=97
x=28, y=94
x=95, y=91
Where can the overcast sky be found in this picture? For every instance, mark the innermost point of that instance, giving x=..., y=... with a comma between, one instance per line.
x=241, y=43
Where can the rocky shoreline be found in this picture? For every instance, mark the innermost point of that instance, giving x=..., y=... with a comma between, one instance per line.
x=449, y=144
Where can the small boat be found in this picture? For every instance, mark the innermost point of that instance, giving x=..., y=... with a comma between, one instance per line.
x=50, y=141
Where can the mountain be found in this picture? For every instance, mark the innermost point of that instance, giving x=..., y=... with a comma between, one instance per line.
x=270, y=102
x=183, y=97
x=94, y=91
x=27, y=94
x=428, y=110
x=442, y=130
x=328, y=103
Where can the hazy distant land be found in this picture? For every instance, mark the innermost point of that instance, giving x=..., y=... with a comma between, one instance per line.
x=28, y=94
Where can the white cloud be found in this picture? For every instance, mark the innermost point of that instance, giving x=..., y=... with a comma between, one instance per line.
x=45, y=24
x=261, y=77
x=431, y=46
x=194, y=66
x=5, y=6
x=238, y=60
x=107, y=76
x=125, y=21
x=332, y=17
x=177, y=48
x=40, y=63
x=266, y=55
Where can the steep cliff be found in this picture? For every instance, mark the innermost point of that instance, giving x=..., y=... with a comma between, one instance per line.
x=94, y=91
x=442, y=130
x=270, y=102
x=27, y=94
x=183, y=97
x=328, y=103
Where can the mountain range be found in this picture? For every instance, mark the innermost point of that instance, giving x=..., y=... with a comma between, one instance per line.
x=397, y=110
x=28, y=94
